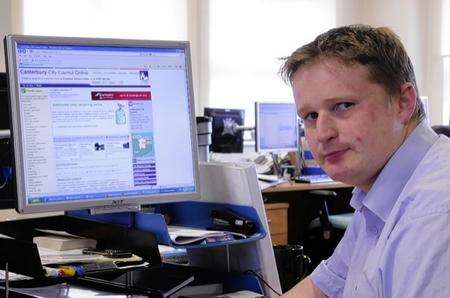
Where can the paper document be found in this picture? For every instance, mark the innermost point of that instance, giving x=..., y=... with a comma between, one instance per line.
x=269, y=178
x=58, y=233
x=185, y=235
x=5, y=236
x=12, y=276
x=63, y=243
x=50, y=256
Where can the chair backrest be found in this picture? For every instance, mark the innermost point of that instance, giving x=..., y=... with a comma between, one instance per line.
x=442, y=129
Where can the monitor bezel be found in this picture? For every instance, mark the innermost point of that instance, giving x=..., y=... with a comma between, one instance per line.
x=258, y=148
x=10, y=43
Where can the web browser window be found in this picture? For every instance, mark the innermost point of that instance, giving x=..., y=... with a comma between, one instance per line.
x=103, y=121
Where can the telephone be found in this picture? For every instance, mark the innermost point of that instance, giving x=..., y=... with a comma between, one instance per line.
x=263, y=164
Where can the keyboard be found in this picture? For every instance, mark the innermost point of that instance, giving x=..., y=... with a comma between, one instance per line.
x=175, y=259
x=268, y=178
x=99, y=267
x=313, y=179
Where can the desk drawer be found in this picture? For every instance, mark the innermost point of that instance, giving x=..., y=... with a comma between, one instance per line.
x=279, y=239
x=277, y=219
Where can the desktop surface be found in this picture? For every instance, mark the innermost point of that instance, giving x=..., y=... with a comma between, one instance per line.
x=319, y=178
x=291, y=186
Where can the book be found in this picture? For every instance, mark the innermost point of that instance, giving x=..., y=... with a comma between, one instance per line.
x=186, y=235
x=62, y=243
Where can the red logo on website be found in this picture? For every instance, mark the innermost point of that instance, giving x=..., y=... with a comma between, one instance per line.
x=121, y=95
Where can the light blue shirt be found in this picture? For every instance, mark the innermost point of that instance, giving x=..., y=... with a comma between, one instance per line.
x=398, y=243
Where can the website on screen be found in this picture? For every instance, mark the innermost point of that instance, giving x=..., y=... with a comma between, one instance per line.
x=102, y=121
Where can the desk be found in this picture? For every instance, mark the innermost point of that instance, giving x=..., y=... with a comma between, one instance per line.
x=295, y=196
x=277, y=220
x=293, y=186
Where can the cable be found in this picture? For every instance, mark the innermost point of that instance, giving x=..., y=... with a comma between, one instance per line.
x=261, y=279
x=5, y=160
x=228, y=257
x=4, y=182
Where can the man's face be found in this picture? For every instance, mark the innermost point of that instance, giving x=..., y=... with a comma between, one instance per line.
x=350, y=125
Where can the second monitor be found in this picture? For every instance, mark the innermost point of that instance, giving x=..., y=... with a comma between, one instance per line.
x=276, y=127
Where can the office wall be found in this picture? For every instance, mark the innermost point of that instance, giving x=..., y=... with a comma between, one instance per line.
x=10, y=22
x=5, y=27
x=405, y=17
x=418, y=24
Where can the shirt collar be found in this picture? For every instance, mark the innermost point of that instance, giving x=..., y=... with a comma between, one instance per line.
x=390, y=182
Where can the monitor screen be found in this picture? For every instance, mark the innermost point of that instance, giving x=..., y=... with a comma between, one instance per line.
x=101, y=122
x=226, y=135
x=276, y=127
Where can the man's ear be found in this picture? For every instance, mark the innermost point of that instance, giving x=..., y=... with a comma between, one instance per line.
x=406, y=102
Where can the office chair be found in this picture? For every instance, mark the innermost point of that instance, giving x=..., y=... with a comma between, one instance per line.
x=326, y=220
x=322, y=220
x=442, y=129
x=324, y=230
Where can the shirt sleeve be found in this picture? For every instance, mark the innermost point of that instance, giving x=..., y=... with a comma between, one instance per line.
x=330, y=275
x=416, y=262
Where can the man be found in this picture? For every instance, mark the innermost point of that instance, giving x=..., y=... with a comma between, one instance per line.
x=355, y=89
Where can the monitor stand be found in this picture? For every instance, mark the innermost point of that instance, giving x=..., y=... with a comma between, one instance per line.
x=115, y=209
x=5, y=133
x=276, y=165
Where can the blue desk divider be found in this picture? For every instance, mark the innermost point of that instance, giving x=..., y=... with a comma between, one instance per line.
x=238, y=282
x=194, y=215
x=313, y=170
x=311, y=167
x=155, y=223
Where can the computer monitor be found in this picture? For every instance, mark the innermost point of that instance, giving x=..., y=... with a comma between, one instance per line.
x=276, y=127
x=227, y=135
x=100, y=123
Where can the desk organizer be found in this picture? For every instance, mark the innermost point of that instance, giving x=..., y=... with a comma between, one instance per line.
x=188, y=214
x=194, y=215
x=22, y=253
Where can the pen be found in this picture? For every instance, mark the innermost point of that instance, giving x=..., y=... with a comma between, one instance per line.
x=51, y=272
x=69, y=271
x=64, y=271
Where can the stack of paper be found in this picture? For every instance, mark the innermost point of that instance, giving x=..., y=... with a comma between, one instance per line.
x=63, y=242
x=184, y=235
x=60, y=240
